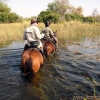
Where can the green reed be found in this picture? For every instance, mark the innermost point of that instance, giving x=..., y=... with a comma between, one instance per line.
x=67, y=31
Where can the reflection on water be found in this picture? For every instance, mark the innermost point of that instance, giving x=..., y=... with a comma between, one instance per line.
x=66, y=75
x=87, y=46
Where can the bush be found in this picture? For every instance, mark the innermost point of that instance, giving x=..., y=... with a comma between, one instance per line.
x=9, y=18
x=70, y=17
x=89, y=19
x=6, y=16
x=48, y=15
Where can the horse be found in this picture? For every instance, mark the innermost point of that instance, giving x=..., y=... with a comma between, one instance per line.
x=49, y=45
x=31, y=61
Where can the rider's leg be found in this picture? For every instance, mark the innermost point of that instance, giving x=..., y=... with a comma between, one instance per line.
x=41, y=48
x=25, y=47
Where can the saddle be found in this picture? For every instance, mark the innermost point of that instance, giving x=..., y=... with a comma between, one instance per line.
x=33, y=45
x=50, y=39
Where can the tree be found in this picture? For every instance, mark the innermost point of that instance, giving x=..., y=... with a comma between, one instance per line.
x=73, y=10
x=48, y=16
x=6, y=16
x=52, y=6
x=4, y=8
x=95, y=12
x=59, y=6
x=98, y=18
x=62, y=9
x=62, y=6
x=79, y=10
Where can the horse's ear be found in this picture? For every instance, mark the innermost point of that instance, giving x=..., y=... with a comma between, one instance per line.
x=55, y=31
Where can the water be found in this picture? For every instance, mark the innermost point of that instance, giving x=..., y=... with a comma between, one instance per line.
x=66, y=75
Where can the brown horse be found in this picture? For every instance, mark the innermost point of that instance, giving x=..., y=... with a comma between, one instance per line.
x=31, y=61
x=49, y=44
x=49, y=47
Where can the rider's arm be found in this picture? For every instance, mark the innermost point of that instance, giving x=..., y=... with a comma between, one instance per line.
x=37, y=33
x=51, y=33
x=24, y=36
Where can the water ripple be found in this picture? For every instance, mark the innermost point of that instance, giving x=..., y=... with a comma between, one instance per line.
x=67, y=74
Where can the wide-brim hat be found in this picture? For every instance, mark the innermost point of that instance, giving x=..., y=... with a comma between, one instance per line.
x=34, y=20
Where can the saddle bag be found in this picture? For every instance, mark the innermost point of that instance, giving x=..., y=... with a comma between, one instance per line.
x=34, y=43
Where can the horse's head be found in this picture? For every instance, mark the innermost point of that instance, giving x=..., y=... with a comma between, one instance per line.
x=55, y=33
x=49, y=47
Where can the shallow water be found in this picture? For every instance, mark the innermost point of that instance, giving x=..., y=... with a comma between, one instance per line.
x=66, y=75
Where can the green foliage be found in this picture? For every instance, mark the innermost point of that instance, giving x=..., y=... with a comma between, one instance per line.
x=60, y=11
x=3, y=17
x=4, y=8
x=59, y=6
x=9, y=18
x=52, y=6
x=89, y=19
x=98, y=18
x=48, y=15
x=70, y=17
x=6, y=16
x=13, y=17
x=77, y=17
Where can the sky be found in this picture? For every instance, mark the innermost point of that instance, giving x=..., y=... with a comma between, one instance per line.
x=28, y=8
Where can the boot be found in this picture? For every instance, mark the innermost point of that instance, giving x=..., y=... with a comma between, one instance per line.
x=25, y=47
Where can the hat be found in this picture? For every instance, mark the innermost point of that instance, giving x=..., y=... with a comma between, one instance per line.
x=34, y=20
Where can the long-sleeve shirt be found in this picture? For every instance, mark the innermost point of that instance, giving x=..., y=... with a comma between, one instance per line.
x=32, y=33
x=47, y=32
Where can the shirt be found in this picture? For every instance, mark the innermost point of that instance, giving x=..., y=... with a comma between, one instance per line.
x=32, y=33
x=47, y=32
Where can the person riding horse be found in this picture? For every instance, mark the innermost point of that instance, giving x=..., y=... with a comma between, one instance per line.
x=48, y=34
x=33, y=36
x=32, y=57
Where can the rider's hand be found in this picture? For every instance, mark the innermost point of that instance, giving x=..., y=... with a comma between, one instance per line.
x=42, y=35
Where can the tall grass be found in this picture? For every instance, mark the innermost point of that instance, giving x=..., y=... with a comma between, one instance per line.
x=11, y=32
x=67, y=31
x=76, y=31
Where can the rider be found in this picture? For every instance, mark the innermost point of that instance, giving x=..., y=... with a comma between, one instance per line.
x=32, y=34
x=48, y=33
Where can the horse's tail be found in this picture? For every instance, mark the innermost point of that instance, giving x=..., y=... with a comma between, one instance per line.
x=28, y=67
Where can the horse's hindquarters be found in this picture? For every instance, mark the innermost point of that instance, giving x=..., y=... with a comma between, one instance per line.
x=31, y=61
